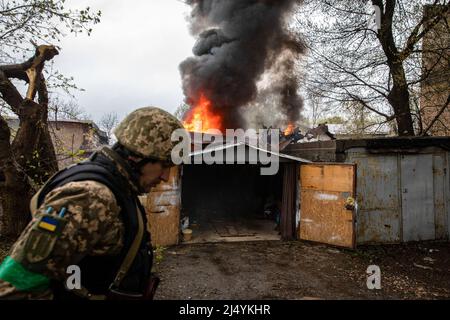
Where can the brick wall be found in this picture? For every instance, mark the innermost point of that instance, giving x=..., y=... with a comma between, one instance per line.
x=436, y=88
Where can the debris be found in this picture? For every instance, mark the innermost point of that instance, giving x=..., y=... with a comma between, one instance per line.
x=187, y=234
x=184, y=223
x=431, y=260
x=421, y=266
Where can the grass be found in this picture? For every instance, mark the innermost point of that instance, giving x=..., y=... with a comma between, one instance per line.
x=158, y=253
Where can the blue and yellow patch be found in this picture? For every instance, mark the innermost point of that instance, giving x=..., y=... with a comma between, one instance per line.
x=48, y=223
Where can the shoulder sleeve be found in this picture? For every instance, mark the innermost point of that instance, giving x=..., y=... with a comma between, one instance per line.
x=91, y=226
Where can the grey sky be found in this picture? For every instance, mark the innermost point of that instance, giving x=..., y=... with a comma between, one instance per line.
x=131, y=59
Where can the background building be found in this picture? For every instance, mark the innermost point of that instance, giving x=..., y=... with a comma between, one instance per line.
x=74, y=140
x=436, y=87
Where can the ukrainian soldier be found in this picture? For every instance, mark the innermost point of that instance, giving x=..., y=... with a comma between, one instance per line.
x=89, y=216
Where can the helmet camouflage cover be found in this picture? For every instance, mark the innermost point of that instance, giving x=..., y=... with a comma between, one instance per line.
x=147, y=133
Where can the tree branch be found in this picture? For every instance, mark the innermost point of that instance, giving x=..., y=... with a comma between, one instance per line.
x=43, y=53
x=9, y=93
x=388, y=117
x=441, y=111
x=30, y=71
x=429, y=23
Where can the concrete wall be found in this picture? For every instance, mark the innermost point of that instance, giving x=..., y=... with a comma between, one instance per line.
x=73, y=141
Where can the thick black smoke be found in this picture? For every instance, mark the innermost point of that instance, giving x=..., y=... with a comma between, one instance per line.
x=238, y=41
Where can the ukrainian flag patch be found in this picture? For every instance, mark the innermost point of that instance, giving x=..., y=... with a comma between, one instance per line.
x=48, y=223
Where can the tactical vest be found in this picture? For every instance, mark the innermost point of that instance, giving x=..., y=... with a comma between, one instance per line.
x=127, y=272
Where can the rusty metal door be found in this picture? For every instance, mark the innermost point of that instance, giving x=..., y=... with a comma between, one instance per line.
x=418, y=194
x=324, y=216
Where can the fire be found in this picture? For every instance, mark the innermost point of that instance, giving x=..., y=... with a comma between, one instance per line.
x=289, y=129
x=201, y=117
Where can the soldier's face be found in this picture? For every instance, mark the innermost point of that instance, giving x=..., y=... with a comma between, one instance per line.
x=152, y=174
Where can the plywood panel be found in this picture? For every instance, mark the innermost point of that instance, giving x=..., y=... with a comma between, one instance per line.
x=324, y=190
x=328, y=177
x=163, y=211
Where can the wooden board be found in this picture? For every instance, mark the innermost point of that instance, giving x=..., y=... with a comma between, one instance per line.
x=163, y=211
x=323, y=216
x=329, y=177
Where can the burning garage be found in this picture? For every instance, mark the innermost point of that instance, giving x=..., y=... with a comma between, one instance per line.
x=244, y=74
x=231, y=201
x=238, y=201
x=356, y=192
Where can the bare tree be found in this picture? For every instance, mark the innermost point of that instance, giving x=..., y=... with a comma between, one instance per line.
x=28, y=158
x=316, y=109
x=181, y=111
x=378, y=67
x=26, y=21
x=65, y=109
x=31, y=156
x=108, y=122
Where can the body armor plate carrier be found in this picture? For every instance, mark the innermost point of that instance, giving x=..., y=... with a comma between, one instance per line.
x=128, y=274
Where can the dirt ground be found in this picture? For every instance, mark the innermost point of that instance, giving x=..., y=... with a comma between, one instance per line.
x=5, y=245
x=300, y=270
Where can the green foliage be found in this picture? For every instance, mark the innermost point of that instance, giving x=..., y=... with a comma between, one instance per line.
x=159, y=254
x=24, y=22
x=78, y=154
x=32, y=167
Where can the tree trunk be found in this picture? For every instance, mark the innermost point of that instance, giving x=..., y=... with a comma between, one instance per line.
x=31, y=159
x=34, y=159
x=32, y=144
x=16, y=190
x=399, y=100
x=398, y=97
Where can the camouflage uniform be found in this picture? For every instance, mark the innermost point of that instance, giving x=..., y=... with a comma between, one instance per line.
x=134, y=134
x=93, y=223
x=93, y=227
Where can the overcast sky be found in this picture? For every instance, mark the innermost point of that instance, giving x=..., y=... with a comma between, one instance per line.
x=131, y=58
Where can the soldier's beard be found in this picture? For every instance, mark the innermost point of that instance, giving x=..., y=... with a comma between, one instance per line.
x=151, y=174
x=149, y=186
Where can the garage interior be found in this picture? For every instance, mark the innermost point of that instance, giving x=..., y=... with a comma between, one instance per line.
x=231, y=203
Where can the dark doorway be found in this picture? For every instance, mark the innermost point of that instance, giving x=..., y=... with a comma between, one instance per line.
x=232, y=202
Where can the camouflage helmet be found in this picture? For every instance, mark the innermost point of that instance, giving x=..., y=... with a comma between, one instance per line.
x=147, y=133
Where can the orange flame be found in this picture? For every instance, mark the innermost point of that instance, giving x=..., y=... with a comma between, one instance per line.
x=201, y=118
x=289, y=129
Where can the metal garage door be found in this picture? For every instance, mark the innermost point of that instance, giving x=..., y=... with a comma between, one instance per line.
x=417, y=197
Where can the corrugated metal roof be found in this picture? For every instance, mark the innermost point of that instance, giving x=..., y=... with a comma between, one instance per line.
x=232, y=145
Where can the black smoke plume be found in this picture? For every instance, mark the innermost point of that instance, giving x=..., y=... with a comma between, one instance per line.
x=237, y=42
